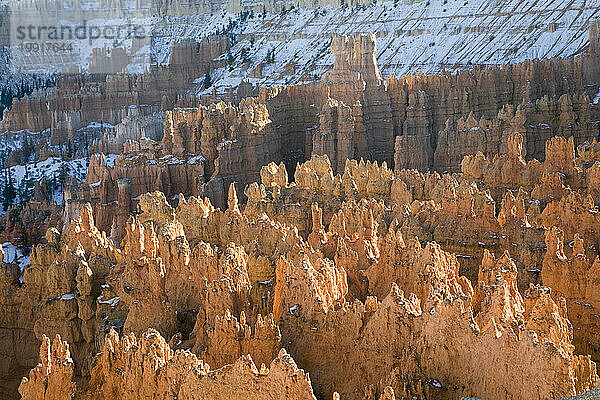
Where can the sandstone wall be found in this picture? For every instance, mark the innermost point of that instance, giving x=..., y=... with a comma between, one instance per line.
x=106, y=97
x=392, y=270
x=190, y=271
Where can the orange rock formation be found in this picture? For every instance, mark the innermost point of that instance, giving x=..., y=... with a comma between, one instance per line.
x=252, y=246
x=395, y=310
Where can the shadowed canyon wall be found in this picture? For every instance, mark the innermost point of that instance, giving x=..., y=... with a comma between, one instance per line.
x=353, y=237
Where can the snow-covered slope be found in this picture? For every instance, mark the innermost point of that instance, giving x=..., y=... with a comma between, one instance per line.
x=23, y=177
x=16, y=254
x=412, y=36
x=422, y=36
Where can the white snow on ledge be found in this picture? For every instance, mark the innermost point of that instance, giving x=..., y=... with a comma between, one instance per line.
x=112, y=302
x=50, y=169
x=425, y=36
x=412, y=36
x=14, y=254
x=597, y=97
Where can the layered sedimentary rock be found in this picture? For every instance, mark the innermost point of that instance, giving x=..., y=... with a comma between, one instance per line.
x=392, y=271
x=459, y=216
x=538, y=121
x=252, y=141
x=421, y=121
x=464, y=220
x=56, y=294
x=115, y=189
x=122, y=371
x=234, y=142
x=350, y=114
x=571, y=262
x=237, y=141
x=26, y=226
x=574, y=276
x=357, y=82
x=335, y=134
x=52, y=377
x=135, y=127
x=206, y=279
x=77, y=100
x=425, y=319
x=472, y=38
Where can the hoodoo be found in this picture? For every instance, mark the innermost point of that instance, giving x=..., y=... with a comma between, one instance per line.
x=300, y=200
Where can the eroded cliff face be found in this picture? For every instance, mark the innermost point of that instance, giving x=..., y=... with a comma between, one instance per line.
x=541, y=206
x=114, y=190
x=427, y=122
x=176, y=271
x=146, y=367
x=78, y=99
x=195, y=283
x=55, y=294
x=457, y=214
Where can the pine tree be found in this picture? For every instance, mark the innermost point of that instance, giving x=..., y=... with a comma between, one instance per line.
x=27, y=148
x=207, y=80
x=244, y=55
x=14, y=217
x=270, y=57
x=63, y=173
x=26, y=188
x=9, y=191
x=69, y=150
